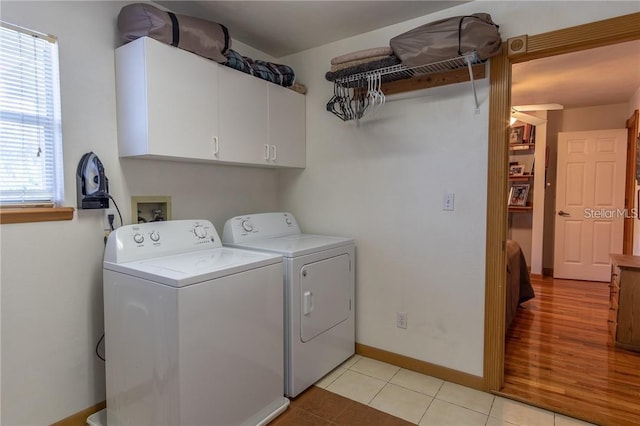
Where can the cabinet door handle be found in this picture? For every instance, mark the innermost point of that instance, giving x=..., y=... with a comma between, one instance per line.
x=266, y=152
x=216, y=147
x=274, y=153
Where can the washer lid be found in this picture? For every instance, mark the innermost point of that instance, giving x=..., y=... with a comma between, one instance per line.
x=296, y=245
x=185, y=269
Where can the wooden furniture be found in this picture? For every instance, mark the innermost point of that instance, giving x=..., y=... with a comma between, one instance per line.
x=175, y=105
x=519, y=151
x=624, y=301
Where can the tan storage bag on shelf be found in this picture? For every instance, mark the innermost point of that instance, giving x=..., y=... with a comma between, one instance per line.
x=205, y=38
x=448, y=38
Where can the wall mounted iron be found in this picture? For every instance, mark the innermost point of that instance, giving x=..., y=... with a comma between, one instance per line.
x=92, y=183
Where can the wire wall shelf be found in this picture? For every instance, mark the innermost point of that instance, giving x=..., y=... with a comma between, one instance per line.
x=360, y=94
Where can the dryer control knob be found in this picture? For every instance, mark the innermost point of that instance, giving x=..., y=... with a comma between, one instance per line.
x=138, y=238
x=154, y=236
x=200, y=232
x=247, y=226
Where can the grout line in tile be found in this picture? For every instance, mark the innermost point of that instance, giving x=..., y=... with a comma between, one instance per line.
x=425, y=411
x=491, y=408
x=466, y=408
x=394, y=375
x=439, y=389
x=374, y=396
x=357, y=361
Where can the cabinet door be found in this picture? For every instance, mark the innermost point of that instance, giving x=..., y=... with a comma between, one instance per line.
x=287, y=127
x=167, y=101
x=242, y=112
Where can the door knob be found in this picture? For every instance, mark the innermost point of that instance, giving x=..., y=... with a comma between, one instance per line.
x=563, y=214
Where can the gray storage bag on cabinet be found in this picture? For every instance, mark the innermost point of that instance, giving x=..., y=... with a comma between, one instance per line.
x=205, y=38
x=448, y=38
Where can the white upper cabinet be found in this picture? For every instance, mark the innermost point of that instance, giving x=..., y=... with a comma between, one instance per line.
x=173, y=104
x=167, y=102
x=287, y=127
x=244, y=120
x=260, y=122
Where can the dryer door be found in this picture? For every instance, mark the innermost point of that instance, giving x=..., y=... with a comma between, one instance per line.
x=324, y=295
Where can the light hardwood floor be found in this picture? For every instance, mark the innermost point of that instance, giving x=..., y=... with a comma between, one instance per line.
x=559, y=355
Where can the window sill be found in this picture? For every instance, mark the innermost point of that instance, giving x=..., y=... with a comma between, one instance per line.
x=35, y=214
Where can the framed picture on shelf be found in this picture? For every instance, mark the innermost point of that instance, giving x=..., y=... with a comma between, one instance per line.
x=517, y=135
x=516, y=170
x=518, y=194
x=527, y=161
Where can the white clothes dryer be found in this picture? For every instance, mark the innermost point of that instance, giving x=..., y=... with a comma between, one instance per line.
x=319, y=292
x=193, y=331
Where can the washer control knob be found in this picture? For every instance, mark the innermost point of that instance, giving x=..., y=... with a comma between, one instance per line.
x=154, y=236
x=287, y=221
x=200, y=232
x=247, y=226
x=138, y=237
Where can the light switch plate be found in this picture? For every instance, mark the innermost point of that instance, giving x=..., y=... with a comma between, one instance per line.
x=448, y=201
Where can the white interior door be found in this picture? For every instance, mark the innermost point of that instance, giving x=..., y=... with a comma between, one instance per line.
x=589, y=203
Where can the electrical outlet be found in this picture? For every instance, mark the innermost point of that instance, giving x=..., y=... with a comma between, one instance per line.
x=448, y=201
x=106, y=225
x=401, y=320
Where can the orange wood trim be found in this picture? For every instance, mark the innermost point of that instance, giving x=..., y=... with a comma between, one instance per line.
x=586, y=36
x=434, y=80
x=497, y=193
x=35, y=214
x=80, y=418
x=423, y=367
x=630, y=185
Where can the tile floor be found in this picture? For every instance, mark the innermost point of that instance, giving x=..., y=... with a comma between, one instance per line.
x=424, y=400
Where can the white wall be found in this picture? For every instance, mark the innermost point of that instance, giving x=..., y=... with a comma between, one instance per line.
x=383, y=183
x=51, y=273
x=600, y=117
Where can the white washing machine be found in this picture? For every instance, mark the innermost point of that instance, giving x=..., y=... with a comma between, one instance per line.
x=193, y=331
x=319, y=292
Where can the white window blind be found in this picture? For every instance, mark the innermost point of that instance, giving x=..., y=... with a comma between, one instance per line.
x=30, y=125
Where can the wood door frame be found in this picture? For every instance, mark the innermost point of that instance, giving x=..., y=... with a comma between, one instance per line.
x=521, y=49
x=630, y=185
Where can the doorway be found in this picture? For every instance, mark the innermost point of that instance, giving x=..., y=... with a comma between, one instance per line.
x=587, y=36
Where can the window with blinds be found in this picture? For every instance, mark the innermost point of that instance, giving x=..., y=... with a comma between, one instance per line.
x=30, y=125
